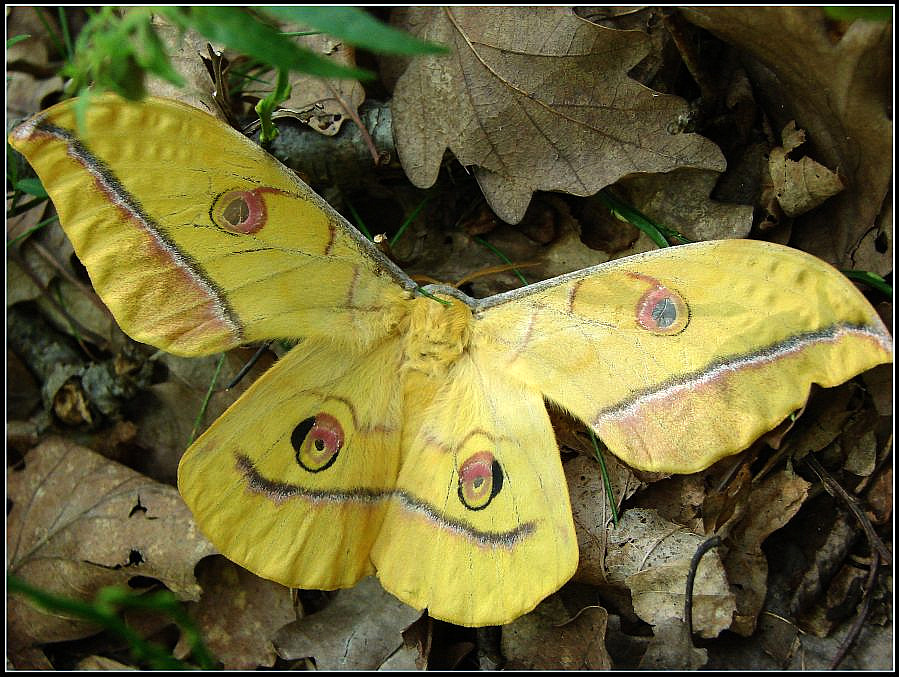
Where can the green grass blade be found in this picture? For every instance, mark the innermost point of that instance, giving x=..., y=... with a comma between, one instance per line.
x=205, y=405
x=871, y=279
x=266, y=106
x=407, y=222
x=656, y=232
x=505, y=259
x=357, y=27
x=244, y=33
x=605, y=477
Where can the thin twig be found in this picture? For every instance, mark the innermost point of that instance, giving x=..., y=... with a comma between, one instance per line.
x=856, y=628
x=834, y=489
x=249, y=365
x=363, y=130
x=703, y=548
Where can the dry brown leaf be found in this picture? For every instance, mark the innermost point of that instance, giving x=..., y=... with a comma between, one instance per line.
x=27, y=658
x=841, y=601
x=81, y=302
x=879, y=497
x=185, y=48
x=652, y=557
x=569, y=253
x=680, y=200
x=359, y=630
x=168, y=411
x=799, y=185
x=678, y=499
x=723, y=508
x=591, y=511
x=324, y=104
x=96, y=663
x=30, y=76
x=51, y=239
x=879, y=382
x=405, y=658
x=548, y=638
x=671, y=648
x=838, y=90
x=772, y=503
x=22, y=391
x=534, y=98
x=238, y=615
x=80, y=522
x=19, y=285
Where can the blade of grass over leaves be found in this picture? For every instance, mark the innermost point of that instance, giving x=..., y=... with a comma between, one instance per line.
x=264, y=108
x=357, y=27
x=16, y=39
x=115, y=51
x=656, y=232
x=27, y=185
x=871, y=279
x=51, y=33
x=503, y=258
x=66, y=36
x=105, y=611
x=32, y=186
x=33, y=229
x=424, y=292
x=238, y=29
x=881, y=13
x=21, y=209
x=358, y=222
x=205, y=405
x=405, y=224
x=605, y=477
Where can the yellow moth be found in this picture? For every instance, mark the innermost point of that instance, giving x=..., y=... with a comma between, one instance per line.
x=403, y=437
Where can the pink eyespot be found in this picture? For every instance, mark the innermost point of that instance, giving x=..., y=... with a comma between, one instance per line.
x=480, y=479
x=239, y=211
x=662, y=310
x=317, y=441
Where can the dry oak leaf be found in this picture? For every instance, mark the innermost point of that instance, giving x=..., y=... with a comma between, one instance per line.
x=681, y=200
x=652, y=557
x=238, y=615
x=800, y=185
x=80, y=522
x=772, y=503
x=534, y=98
x=549, y=638
x=838, y=90
x=186, y=49
x=591, y=511
x=359, y=630
x=324, y=104
x=671, y=648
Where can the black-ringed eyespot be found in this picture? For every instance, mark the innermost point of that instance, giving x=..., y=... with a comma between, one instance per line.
x=317, y=441
x=480, y=480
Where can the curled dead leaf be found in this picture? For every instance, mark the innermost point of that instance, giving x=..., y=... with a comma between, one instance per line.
x=680, y=200
x=772, y=503
x=799, y=185
x=837, y=88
